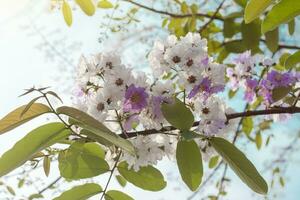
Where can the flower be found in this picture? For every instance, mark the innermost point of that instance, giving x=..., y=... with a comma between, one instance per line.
x=135, y=99
x=277, y=79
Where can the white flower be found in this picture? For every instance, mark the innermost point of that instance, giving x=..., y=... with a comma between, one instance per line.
x=98, y=106
x=188, y=80
x=104, y=62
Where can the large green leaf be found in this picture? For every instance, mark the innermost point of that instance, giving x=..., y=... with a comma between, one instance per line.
x=178, y=115
x=14, y=119
x=255, y=8
x=80, y=192
x=293, y=60
x=87, y=6
x=240, y=164
x=272, y=38
x=242, y=3
x=281, y=13
x=189, y=162
x=235, y=46
x=82, y=160
x=117, y=195
x=32, y=143
x=147, y=178
x=251, y=34
x=91, y=124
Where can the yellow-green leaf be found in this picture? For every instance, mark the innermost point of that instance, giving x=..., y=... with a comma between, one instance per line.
x=14, y=119
x=105, y=4
x=240, y=164
x=272, y=38
x=46, y=165
x=67, y=13
x=291, y=25
x=117, y=195
x=281, y=13
x=80, y=192
x=255, y=8
x=213, y=161
x=292, y=61
x=87, y=6
x=189, y=162
x=258, y=140
x=251, y=34
x=280, y=92
x=35, y=141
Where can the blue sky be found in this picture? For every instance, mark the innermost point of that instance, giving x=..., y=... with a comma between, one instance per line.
x=25, y=61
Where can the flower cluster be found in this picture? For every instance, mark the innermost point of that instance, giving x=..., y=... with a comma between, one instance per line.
x=245, y=72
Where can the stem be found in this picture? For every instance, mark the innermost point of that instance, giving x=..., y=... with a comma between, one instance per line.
x=50, y=185
x=174, y=15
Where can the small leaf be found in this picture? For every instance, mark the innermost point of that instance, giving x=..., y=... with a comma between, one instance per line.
x=293, y=60
x=14, y=119
x=67, y=13
x=178, y=115
x=117, y=195
x=272, y=38
x=240, y=164
x=87, y=6
x=247, y=125
x=251, y=34
x=11, y=190
x=241, y=3
x=21, y=183
x=82, y=160
x=189, y=162
x=105, y=4
x=255, y=8
x=281, y=181
x=46, y=165
x=282, y=12
x=213, y=162
x=147, y=178
x=35, y=196
x=43, y=137
x=280, y=92
x=122, y=181
x=80, y=192
x=88, y=122
x=55, y=95
x=258, y=140
x=291, y=25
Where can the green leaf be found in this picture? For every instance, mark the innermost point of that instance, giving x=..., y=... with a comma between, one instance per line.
x=255, y=8
x=235, y=46
x=241, y=3
x=87, y=6
x=46, y=165
x=105, y=4
x=117, y=195
x=121, y=180
x=67, y=13
x=251, y=34
x=29, y=105
x=80, y=192
x=11, y=190
x=281, y=181
x=281, y=13
x=147, y=178
x=213, y=162
x=272, y=38
x=14, y=119
x=37, y=140
x=291, y=25
x=292, y=61
x=35, y=196
x=240, y=164
x=178, y=115
x=88, y=122
x=258, y=140
x=247, y=125
x=189, y=162
x=280, y=92
x=82, y=160
x=229, y=29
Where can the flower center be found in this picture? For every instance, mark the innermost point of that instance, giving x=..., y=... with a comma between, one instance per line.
x=205, y=110
x=100, y=107
x=176, y=59
x=109, y=65
x=190, y=62
x=119, y=82
x=278, y=77
x=191, y=79
x=135, y=98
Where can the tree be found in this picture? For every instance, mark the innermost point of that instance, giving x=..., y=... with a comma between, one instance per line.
x=126, y=121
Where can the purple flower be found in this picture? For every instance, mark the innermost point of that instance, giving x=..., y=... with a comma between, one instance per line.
x=251, y=85
x=243, y=57
x=205, y=86
x=135, y=99
x=280, y=79
x=205, y=61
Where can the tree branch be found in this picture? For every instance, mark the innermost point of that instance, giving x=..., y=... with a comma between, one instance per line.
x=286, y=110
x=174, y=15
